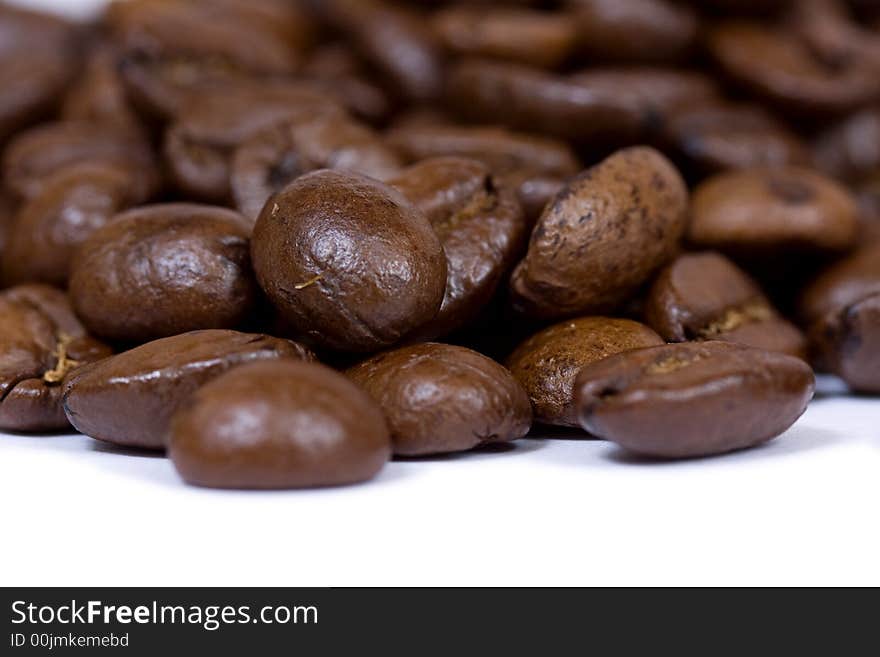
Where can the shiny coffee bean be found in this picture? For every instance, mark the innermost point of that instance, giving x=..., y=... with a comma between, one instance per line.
x=73, y=204
x=267, y=162
x=200, y=144
x=535, y=38
x=41, y=343
x=440, y=398
x=38, y=58
x=692, y=399
x=394, y=40
x=171, y=50
x=602, y=237
x=279, y=425
x=480, y=225
x=36, y=155
x=129, y=399
x=842, y=309
x=717, y=137
x=160, y=270
x=348, y=261
x=634, y=30
x=704, y=296
x=773, y=211
x=548, y=363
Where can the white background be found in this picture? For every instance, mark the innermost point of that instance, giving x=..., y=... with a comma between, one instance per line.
x=803, y=510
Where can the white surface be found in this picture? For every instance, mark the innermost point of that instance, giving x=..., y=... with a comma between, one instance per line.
x=803, y=510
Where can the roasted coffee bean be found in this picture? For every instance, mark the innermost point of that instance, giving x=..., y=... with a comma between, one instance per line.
x=41, y=342
x=634, y=30
x=440, y=398
x=773, y=211
x=349, y=261
x=536, y=38
x=842, y=309
x=394, y=40
x=38, y=58
x=776, y=65
x=602, y=237
x=717, y=137
x=480, y=225
x=129, y=399
x=73, y=204
x=279, y=425
x=548, y=363
x=704, y=296
x=692, y=399
x=850, y=149
x=610, y=106
x=160, y=270
x=171, y=50
x=199, y=146
x=8, y=210
x=266, y=163
x=36, y=155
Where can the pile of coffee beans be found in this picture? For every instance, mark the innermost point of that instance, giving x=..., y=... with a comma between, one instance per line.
x=287, y=240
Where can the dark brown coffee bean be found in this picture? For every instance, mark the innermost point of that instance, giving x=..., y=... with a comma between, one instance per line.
x=842, y=309
x=480, y=225
x=548, y=363
x=279, y=425
x=170, y=50
x=634, y=30
x=395, y=40
x=440, y=398
x=693, y=399
x=267, y=162
x=526, y=36
x=36, y=155
x=779, y=67
x=38, y=58
x=200, y=145
x=773, y=211
x=704, y=296
x=610, y=106
x=850, y=150
x=602, y=237
x=161, y=270
x=349, y=261
x=718, y=137
x=8, y=211
x=73, y=204
x=41, y=342
x=129, y=399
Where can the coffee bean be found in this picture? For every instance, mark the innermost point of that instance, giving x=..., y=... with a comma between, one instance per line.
x=704, y=296
x=441, y=398
x=160, y=270
x=73, y=204
x=548, y=363
x=129, y=399
x=842, y=309
x=602, y=237
x=480, y=225
x=279, y=425
x=349, y=261
x=536, y=38
x=850, y=150
x=200, y=144
x=634, y=30
x=36, y=155
x=692, y=399
x=776, y=211
x=41, y=342
x=717, y=137
x=267, y=162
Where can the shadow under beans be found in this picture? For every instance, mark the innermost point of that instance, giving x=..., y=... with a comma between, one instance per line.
x=548, y=432
x=489, y=451
x=796, y=440
x=104, y=447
